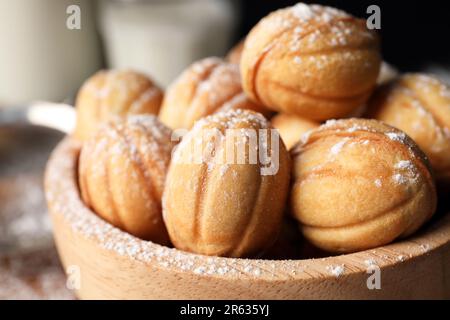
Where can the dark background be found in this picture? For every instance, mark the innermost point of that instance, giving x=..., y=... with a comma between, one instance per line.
x=413, y=33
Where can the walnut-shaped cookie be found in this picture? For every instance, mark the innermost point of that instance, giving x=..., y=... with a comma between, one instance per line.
x=122, y=170
x=359, y=184
x=227, y=186
x=419, y=105
x=207, y=86
x=111, y=93
x=313, y=61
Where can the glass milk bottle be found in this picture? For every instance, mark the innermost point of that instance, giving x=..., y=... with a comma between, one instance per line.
x=162, y=37
x=40, y=58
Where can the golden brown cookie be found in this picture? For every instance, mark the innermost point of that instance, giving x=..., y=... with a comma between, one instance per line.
x=122, y=170
x=419, y=105
x=360, y=184
x=234, y=56
x=208, y=86
x=114, y=93
x=313, y=61
x=222, y=197
x=292, y=127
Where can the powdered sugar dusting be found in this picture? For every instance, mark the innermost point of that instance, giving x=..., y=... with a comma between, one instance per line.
x=132, y=143
x=404, y=164
x=378, y=183
x=228, y=119
x=370, y=262
x=351, y=126
x=338, y=146
x=302, y=11
x=223, y=75
x=396, y=136
x=399, y=178
x=33, y=275
x=405, y=173
x=148, y=126
x=65, y=200
x=298, y=59
x=336, y=32
x=330, y=122
x=121, y=84
x=430, y=83
x=336, y=270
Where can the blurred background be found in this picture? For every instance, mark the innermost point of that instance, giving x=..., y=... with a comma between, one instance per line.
x=45, y=57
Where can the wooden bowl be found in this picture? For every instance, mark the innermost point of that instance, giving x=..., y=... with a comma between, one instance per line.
x=115, y=265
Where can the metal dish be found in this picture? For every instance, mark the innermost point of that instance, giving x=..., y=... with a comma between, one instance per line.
x=29, y=267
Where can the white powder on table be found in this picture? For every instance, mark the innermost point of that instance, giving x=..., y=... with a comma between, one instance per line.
x=336, y=270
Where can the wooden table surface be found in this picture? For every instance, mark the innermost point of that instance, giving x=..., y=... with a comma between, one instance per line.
x=29, y=264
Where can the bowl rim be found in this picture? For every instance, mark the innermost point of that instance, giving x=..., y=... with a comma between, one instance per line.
x=63, y=198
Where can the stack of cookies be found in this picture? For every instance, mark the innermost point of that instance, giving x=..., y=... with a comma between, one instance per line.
x=241, y=156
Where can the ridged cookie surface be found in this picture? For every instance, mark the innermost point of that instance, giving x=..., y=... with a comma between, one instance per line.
x=111, y=93
x=360, y=184
x=122, y=170
x=221, y=201
x=313, y=61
